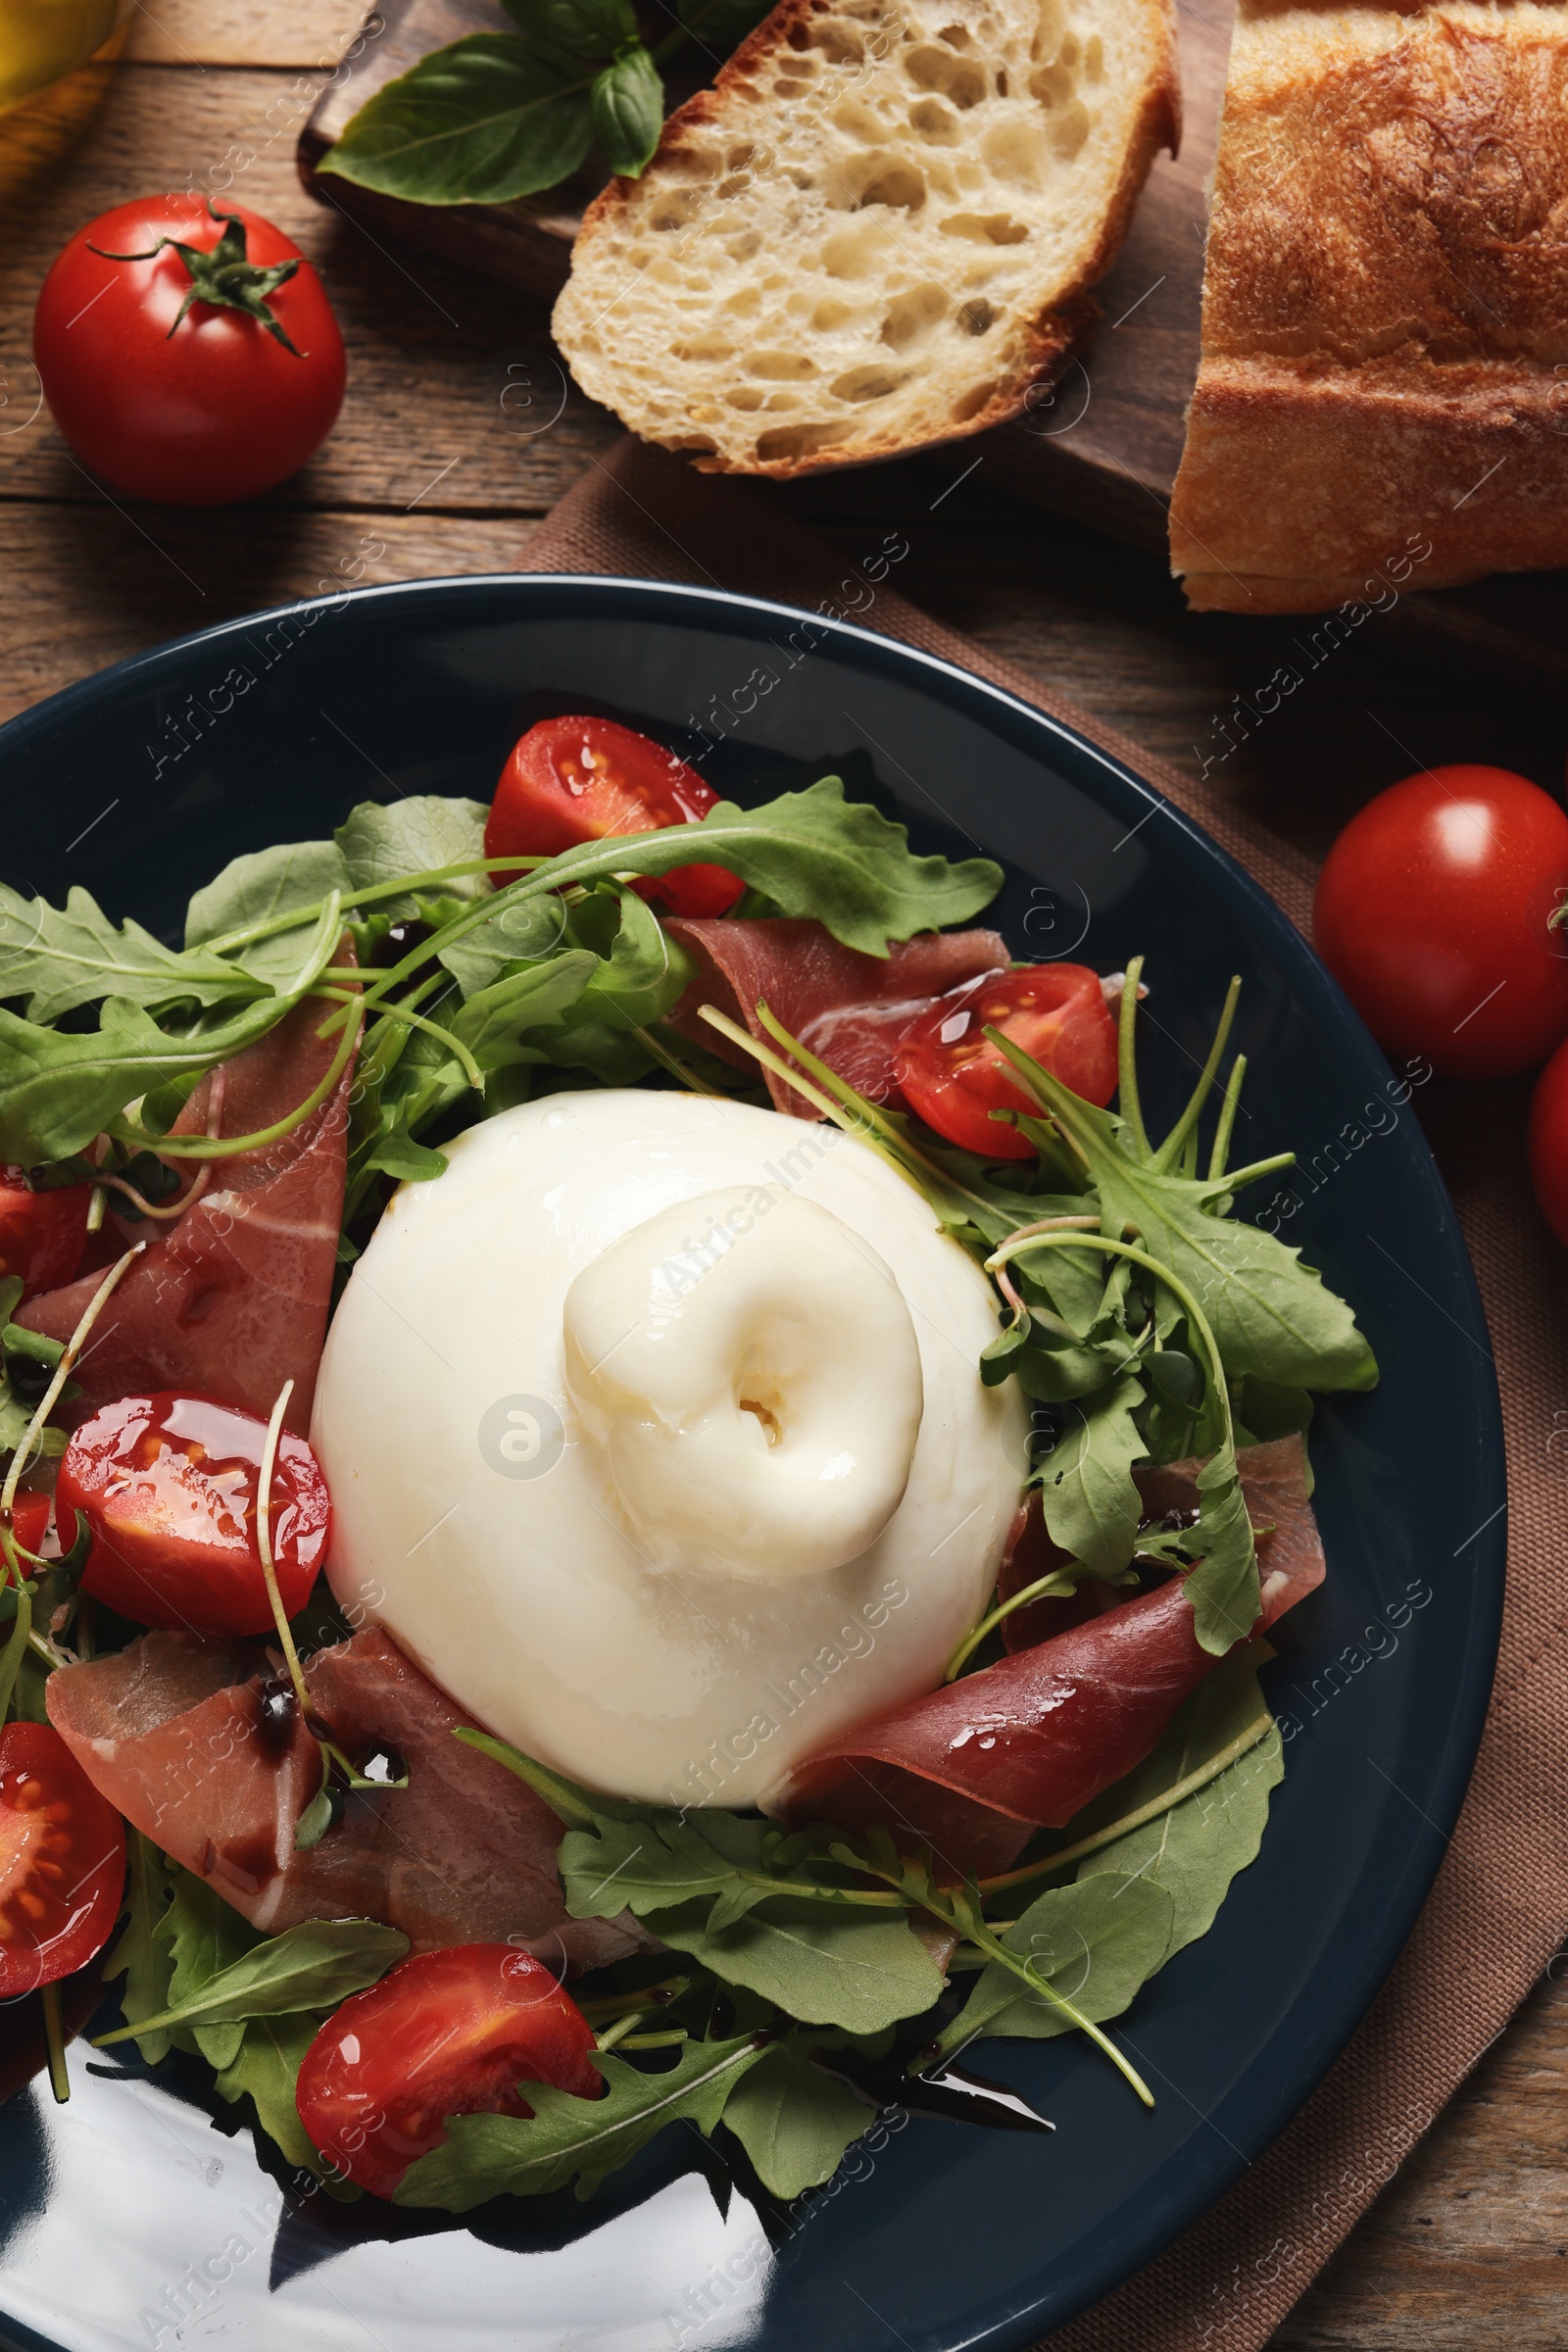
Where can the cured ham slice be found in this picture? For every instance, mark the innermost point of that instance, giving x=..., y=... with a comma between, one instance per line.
x=1290, y=1556
x=200, y=1745
x=231, y=1300
x=972, y=1768
x=847, y=1009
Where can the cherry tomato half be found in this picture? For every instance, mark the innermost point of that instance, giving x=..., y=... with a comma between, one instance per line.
x=449, y=2033
x=62, y=1861
x=29, y=1519
x=580, y=779
x=214, y=408
x=954, y=1077
x=1548, y=1141
x=167, y=1483
x=1433, y=911
x=42, y=1235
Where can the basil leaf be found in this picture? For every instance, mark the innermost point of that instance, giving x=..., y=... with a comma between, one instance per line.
x=312, y=1966
x=583, y=28
x=57, y=1090
x=417, y=835
x=571, y=2138
x=793, y=2121
x=265, y=2067
x=627, y=103
x=62, y=959
x=1090, y=1504
x=490, y=119
x=141, y=1955
x=257, y=888
x=1094, y=1943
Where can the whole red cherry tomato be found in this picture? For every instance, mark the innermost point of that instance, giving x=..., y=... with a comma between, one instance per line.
x=954, y=1077
x=167, y=1483
x=449, y=2033
x=205, y=367
x=570, y=780
x=42, y=1235
x=62, y=1861
x=1433, y=912
x=1548, y=1141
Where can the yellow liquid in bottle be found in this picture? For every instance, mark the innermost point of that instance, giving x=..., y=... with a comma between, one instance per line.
x=42, y=39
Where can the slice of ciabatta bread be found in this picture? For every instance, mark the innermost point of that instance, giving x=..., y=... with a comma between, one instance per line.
x=875, y=231
x=1383, y=394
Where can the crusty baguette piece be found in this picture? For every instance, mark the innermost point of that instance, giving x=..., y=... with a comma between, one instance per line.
x=1384, y=378
x=875, y=231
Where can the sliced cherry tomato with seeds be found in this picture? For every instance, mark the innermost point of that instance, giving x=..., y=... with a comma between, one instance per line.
x=570, y=780
x=42, y=1235
x=448, y=2032
x=62, y=1861
x=167, y=1483
x=954, y=1077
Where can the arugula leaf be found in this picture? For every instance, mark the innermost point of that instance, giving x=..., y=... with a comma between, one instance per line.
x=812, y=851
x=852, y=1964
x=793, y=2121
x=491, y=118
x=627, y=103
x=1272, y=1317
x=60, y=961
x=257, y=888
x=205, y=1938
x=140, y=1955
x=1091, y=1504
x=525, y=932
x=1095, y=1941
x=265, y=2067
x=1195, y=1848
x=491, y=1024
x=644, y=973
x=826, y=1965
x=59, y=1090
x=571, y=2138
x=221, y=1981
x=417, y=835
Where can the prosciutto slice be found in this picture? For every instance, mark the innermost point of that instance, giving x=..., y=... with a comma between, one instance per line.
x=847, y=1009
x=199, y=1744
x=232, y=1299
x=972, y=1768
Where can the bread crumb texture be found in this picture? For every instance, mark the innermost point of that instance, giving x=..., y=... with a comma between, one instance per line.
x=874, y=232
x=1384, y=343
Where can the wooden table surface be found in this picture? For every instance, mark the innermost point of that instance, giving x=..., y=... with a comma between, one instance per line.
x=459, y=433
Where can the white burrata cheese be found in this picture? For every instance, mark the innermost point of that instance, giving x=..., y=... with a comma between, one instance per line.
x=655, y=1434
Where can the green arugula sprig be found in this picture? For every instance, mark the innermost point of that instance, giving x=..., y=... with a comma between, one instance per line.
x=1158, y=1355
x=498, y=116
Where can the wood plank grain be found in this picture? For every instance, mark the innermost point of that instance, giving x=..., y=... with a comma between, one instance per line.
x=241, y=33
x=1469, y=2244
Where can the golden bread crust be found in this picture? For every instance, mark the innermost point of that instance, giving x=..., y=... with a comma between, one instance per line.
x=1385, y=348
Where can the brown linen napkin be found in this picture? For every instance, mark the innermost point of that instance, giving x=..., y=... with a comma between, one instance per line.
x=1501, y=1901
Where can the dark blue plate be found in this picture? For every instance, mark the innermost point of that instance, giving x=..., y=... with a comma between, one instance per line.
x=141, y=2209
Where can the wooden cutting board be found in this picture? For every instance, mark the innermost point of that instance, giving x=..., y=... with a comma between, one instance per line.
x=1102, y=444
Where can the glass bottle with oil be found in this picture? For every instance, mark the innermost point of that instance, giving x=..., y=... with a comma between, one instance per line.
x=41, y=40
